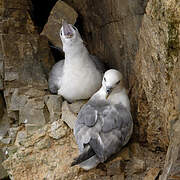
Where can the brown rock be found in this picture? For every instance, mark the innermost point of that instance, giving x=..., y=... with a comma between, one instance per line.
x=111, y=30
x=3, y=172
x=67, y=115
x=172, y=163
x=156, y=70
x=115, y=167
x=4, y=126
x=45, y=55
x=136, y=150
x=16, y=4
x=59, y=12
x=1, y=106
x=76, y=106
x=125, y=154
x=1, y=72
x=118, y=177
x=138, y=166
x=152, y=174
x=54, y=104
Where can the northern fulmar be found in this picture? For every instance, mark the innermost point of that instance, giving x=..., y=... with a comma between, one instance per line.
x=104, y=125
x=79, y=75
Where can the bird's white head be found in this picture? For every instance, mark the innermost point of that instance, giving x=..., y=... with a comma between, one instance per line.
x=69, y=34
x=112, y=78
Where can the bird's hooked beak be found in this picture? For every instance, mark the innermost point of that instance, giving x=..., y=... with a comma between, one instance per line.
x=67, y=29
x=108, y=91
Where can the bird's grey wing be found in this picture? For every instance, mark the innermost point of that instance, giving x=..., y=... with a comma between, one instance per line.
x=55, y=76
x=99, y=65
x=116, y=130
x=86, y=117
x=85, y=125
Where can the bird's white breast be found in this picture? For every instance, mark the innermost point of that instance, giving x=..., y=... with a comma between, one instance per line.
x=80, y=79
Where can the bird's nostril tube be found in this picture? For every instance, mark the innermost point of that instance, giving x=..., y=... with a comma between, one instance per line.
x=108, y=90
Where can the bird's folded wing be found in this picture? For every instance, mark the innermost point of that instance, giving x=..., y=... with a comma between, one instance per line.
x=116, y=129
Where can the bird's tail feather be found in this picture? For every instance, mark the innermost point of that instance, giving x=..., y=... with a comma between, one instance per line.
x=86, y=154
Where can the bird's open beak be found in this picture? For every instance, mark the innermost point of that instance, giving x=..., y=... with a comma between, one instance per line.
x=67, y=29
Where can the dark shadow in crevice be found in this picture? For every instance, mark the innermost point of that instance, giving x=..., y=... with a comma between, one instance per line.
x=2, y=95
x=40, y=12
x=6, y=178
x=57, y=52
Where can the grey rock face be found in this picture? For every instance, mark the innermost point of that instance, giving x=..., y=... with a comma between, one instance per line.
x=67, y=115
x=60, y=11
x=54, y=104
x=3, y=172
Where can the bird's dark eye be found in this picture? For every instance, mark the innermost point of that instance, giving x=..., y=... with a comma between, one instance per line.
x=118, y=82
x=61, y=33
x=104, y=79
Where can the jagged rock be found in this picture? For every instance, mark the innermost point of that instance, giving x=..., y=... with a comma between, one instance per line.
x=1, y=71
x=136, y=150
x=11, y=150
x=32, y=112
x=112, y=30
x=115, y=167
x=3, y=172
x=21, y=137
x=1, y=106
x=4, y=126
x=152, y=174
x=118, y=177
x=157, y=72
x=58, y=130
x=24, y=68
x=45, y=55
x=12, y=132
x=6, y=140
x=54, y=104
x=125, y=154
x=172, y=163
x=76, y=106
x=138, y=165
x=59, y=12
x=67, y=115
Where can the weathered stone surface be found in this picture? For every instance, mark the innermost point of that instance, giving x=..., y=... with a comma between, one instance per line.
x=16, y=4
x=16, y=21
x=58, y=130
x=1, y=106
x=138, y=165
x=32, y=112
x=3, y=172
x=172, y=162
x=76, y=106
x=115, y=167
x=111, y=30
x=152, y=174
x=157, y=71
x=22, y=66
x=1, y=73
x=12, y=132
x=45, y=55
x=59, y=12
x=67, y=115
x=4, y=125
x=21, y=137
x=112, y=34
x=118, y=177
x=54, y=104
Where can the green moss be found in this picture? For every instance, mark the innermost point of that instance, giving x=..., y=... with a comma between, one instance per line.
x=172, y=47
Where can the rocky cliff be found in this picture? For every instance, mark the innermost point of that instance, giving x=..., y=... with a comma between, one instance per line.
x=140, y=38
